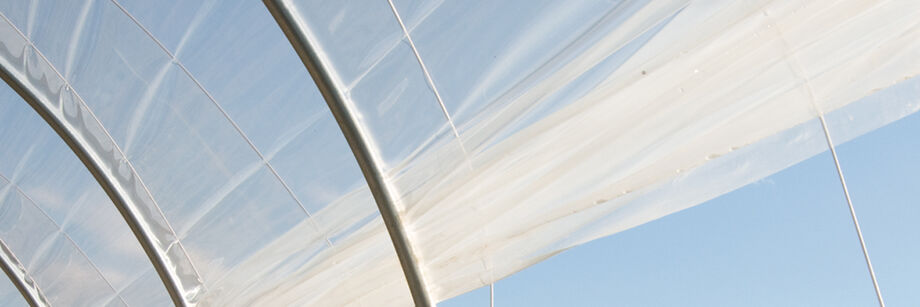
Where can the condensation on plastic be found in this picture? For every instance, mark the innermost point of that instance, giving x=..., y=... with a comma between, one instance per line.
x=579, y=120
x=56, y=216
x=245, y=233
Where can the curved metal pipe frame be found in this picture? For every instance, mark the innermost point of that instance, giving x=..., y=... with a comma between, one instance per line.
x=74, y=123
x=20, y=278
x=325, y=79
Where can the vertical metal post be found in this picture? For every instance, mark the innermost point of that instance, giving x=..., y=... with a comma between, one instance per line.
x=325, y=79
x=20, y=278
x=492, y=295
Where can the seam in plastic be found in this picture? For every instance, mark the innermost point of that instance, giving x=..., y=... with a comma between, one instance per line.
x=233, y=123
x=329, y=85
x=171, y=285
x=66, y=235
x=430, y=81
x=26, y=285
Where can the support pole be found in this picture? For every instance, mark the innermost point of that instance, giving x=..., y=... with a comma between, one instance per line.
x=492, y=295
x=317, y=64
x=846, y=193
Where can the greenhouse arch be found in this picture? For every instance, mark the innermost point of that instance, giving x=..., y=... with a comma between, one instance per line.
x=403, y=152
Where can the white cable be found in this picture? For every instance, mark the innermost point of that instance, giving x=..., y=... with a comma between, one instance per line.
x=265, y=160
x=437, y=95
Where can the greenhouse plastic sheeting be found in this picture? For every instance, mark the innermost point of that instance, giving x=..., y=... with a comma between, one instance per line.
x=10, y=296
x=58, y=223
x=508, y=131
x=229, y=219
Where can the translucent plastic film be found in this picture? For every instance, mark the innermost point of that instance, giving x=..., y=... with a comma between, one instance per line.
x=509, y=131
x=881, y=168
x=55, y=98
x=10, y=296
x=24, y=286
x=579, y=120
x=259, y=198
x=60, y=225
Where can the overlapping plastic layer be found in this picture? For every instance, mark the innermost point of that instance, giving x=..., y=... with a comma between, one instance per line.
x=71, y=243
x=533, y=127
x=578, y=120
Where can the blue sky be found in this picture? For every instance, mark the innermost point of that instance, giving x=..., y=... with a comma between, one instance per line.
x=786, y=240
